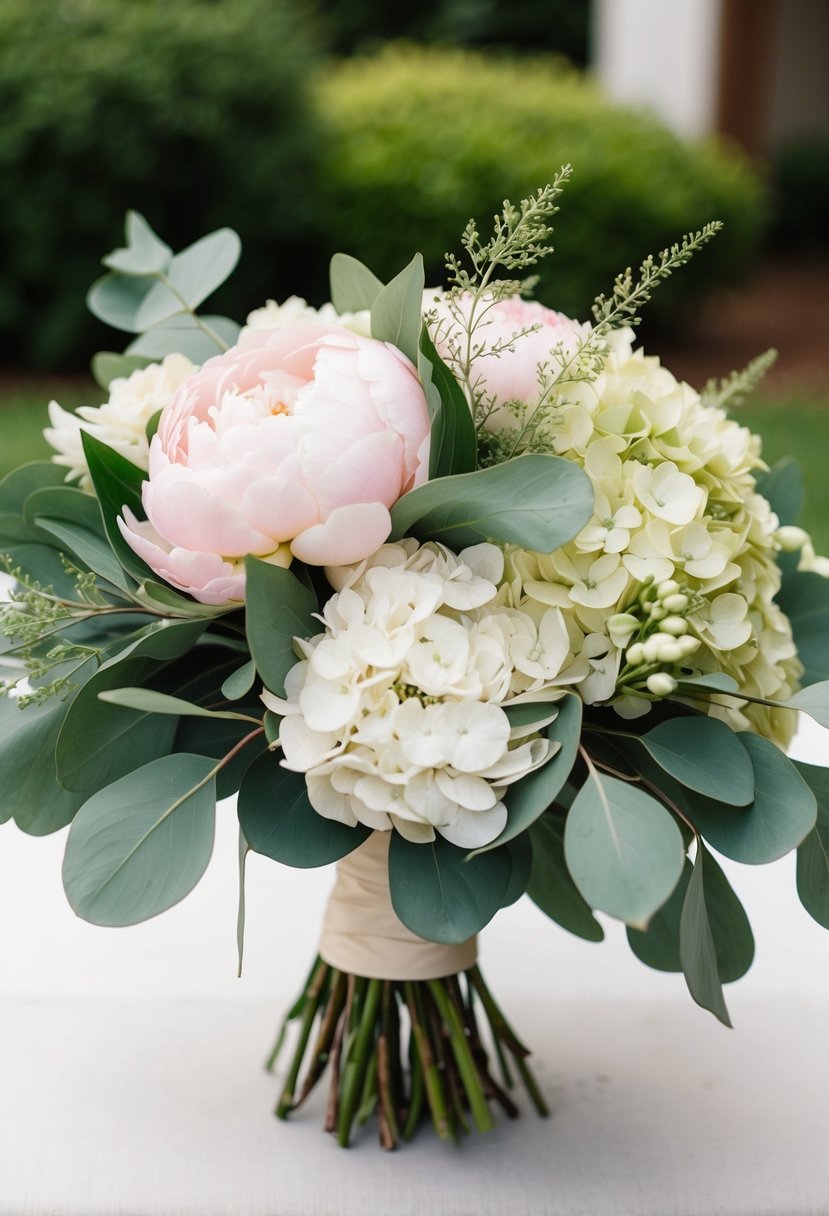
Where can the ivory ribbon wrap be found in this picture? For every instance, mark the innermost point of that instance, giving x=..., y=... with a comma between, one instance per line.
x=362, y=935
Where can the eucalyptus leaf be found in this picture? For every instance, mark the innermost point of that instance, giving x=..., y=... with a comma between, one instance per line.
x=783, y=486
x=108, y=366
x=659, y=945
x=697, y=951
x=353, y=286
x=539, y=502
x=529, y=798
x=551, y=886
x=239, y=682
x=705, y=755
x=780, y=817
x=278, y=608
x=453, y=444
x=29, y=790
x=244, y=849
x=152, y=702
x=805, y=600
x=440, y=895
x=197, y=271
x=813, y=853
x=712, y=681
x=123, y=301
x=73, y=518
x=623, y=849
x=145, y=253
x=813, y=701
x=16, y=486
x=141, y=844
x=199, y=338
x=520, y=851
x=279, y=821
x=397, y=310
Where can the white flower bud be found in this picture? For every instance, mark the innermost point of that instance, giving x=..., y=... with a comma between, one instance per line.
x=676, y=603
x=635, y=654
x=790, y=538
x=675, y=625
x=670, y=652
x=661, y=684
x=658, y=611
x=688, y=645
x=650, y=650
x=668, y=586
x=621, y=627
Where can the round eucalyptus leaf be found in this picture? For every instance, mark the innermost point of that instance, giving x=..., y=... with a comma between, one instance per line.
x=552, y=888
x=623, y=849
x=141, y=844
x=705, y=755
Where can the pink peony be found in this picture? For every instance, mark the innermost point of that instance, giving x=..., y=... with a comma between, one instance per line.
x=512, y=374
x=294, y=443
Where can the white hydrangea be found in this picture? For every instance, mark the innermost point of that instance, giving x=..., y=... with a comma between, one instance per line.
x=121, y=422
x=675, y=502
x=396, y=713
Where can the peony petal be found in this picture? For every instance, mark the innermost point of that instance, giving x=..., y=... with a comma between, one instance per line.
x=349, y=534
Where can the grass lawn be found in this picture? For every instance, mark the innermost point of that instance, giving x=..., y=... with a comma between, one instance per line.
x=797, y=425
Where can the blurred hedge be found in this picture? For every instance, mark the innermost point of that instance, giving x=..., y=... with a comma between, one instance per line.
x=423, y=139
x=192, y=111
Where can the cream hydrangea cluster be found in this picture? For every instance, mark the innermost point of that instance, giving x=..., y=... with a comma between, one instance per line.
x=121, y=422
x=397, y=712
x=681, y=545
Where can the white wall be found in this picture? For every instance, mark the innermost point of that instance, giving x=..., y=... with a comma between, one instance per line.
x=662, y=54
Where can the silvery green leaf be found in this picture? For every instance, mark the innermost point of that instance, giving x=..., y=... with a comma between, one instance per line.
x=145, y=252
x=353, y=286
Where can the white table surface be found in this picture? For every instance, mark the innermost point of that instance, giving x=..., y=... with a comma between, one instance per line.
x=131, y=1081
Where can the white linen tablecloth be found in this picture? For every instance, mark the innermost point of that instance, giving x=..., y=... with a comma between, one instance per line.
x=131, y=1080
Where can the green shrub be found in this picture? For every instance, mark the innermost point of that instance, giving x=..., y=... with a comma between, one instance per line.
x=194, y=112
x=423, y=139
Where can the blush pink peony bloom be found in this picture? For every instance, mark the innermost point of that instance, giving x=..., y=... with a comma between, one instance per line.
x=294, y=443
x=511, y=374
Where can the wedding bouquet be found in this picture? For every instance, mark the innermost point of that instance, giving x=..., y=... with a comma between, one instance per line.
x=466, y=596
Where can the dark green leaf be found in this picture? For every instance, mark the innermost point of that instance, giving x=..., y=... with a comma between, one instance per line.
x=74, y=520
x=781, y=815
x=278, y=608
x=397, y=310
x=117, y=484
x=140, y=845
x=623, y=849
x=696, y=944
x=782, y=485
x=244, y=849
x=29, y=788
x=705, y=755
x=713, y=681
x=527, y=799
x=551, y=886
x=520, y=853
x=441, y=896
x=353, y=287
x=453, y=444
x=659, y=946
x=540, y=502
x=279, y=821
x=813, y=854
x=16, y=486
x=805, y=600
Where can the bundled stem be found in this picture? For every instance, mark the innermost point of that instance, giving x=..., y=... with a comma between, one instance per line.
x=401, y=1050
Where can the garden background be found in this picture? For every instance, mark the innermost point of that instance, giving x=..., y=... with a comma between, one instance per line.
x=288, y=121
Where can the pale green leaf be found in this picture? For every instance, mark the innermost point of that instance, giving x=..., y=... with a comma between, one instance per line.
x=705, y=755
x=151, y=702
x=145, y=252
x=353, y=287
x=551, y=885
x=696, y=944
x=397, y=310
x=623, y=849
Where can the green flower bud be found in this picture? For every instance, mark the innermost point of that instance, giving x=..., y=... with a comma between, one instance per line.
x=675, y=625
x=660, y=684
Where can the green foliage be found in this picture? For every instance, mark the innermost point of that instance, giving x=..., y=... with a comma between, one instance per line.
x=705, y=755
x=140, y=845
x=813, y=853
x=430, y=137
x=279, y=608
x=551, y=886
x=194, y=112
x=537, y=501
